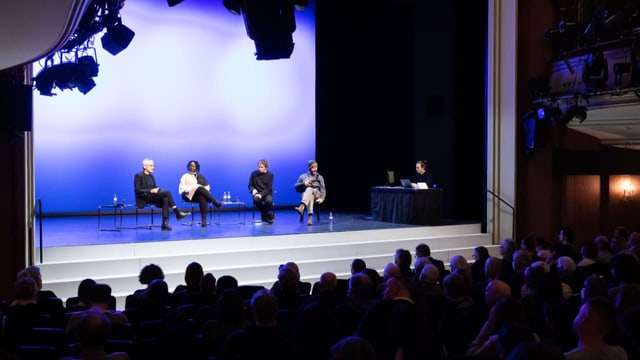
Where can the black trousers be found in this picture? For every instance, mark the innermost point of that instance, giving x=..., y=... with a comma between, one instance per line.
x=264, y=205
x=203, y=197
x=162, y=199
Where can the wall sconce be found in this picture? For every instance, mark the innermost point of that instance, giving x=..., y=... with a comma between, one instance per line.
x=627, y=190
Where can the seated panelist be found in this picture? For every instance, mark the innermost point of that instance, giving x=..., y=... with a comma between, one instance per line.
x=147, y=192
x=194, y=187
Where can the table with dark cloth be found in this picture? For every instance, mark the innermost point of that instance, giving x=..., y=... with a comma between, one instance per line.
x=406, y=206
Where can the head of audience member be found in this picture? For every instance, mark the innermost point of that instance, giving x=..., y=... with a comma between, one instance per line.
x=402, y=258
x=633, y=239
x=507, y=247
x=226, y=282
x=100, y=296
x=293, y=266
x=391, y=270
x=454, y=286
x=510, y=335
x=589, y=250
x=157, y=293
x=509, y=309
x=458, y=262
x=93, y=330
x=430, y=274
x=543, y=248
x=420, y=263
x=208, y=284
x=481, y=253
x=528, y=244
x=541, y=282
x=328, y=283
x=493, y=268
x=193, y=274
x=288, y=280
x=358, y=265
x=627, y=297
x=397, y=287
x=566, y=266
x=496, y=290
x=602, y=242
x=26, y=291
x=230, y=307
x=353, y=348
x=618, y=240
x=423, y=250
x=360, y=286
x=264, y=307
x=625, y=268
x=594, y=286
x=521, y=260
x=34, y=273
x=565, y=236
x=595, y=321
x=83, y=291
x=149, y=273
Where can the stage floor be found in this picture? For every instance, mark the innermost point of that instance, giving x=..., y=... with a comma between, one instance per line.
x=83, y=230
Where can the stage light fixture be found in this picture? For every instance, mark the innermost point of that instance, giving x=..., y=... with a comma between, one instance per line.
x=117, y=38
x=68, y=76
x=269, y=23
x=573, y=112
x=172, y=3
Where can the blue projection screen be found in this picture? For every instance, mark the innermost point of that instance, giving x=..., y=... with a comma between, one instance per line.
x=187, y=87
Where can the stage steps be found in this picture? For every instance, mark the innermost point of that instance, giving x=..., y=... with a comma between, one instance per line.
x=251, y=260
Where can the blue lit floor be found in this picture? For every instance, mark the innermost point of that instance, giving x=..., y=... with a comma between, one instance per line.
x=83, y=230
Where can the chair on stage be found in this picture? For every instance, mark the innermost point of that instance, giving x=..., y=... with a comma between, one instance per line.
x=147, y=207
x=193, y=205
x=254, y=208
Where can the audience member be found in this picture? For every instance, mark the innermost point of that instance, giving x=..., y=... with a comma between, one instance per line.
x=353, y=348
x=83, y=296
x=93, y=331
x=507, y=249
x=99, y=298
x=423, y=250
x=402, y=258
x=34, y=273
x=594, y=322
x=261, y=340
x=604, y=250
x=480, y=256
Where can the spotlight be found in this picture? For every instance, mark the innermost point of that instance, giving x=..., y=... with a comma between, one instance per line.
x=117, y=38
x=573, y=112
x=596, y=70
x=172, y=3
x=269, y=23
x=68, y=76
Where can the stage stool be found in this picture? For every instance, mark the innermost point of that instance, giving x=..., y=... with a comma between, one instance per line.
x=253, y=209
x=150, y=207
x=316, y=212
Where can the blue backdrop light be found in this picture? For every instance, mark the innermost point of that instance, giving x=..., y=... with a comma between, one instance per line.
x=187, y=87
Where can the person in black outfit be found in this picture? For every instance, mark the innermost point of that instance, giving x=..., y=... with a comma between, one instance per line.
x=261, y=188
x=147, y=192
x=194, y=187
x=422, y=174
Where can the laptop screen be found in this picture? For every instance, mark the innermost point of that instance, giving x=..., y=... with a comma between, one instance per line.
x=405, y=183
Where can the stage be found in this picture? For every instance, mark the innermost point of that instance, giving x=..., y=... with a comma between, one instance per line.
x=73, y=248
